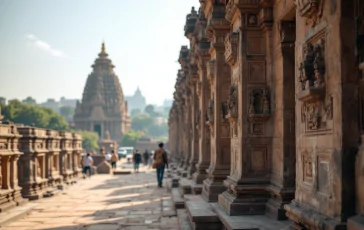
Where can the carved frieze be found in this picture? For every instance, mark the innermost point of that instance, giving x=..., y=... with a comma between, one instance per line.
x=312, y=72
x=310, y=9
x=259, y=104
x=231, y=48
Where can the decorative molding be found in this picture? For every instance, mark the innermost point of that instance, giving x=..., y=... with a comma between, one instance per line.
x=310, y=9
x=231, y=48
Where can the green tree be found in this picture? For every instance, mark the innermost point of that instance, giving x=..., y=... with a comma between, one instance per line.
x=89, y=140
x=67, y=111
x=135, y=112
x=141, y=122
x=130, y=138
x=149, y=109
x=29, y=101
x=40, y=117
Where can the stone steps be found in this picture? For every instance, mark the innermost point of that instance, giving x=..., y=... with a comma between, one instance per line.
x=177, y=198
x=183, y=220
x=248, y=222
x=201, y=214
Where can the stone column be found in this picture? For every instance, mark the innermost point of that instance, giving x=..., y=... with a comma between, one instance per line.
x=327, y=127
x=195, y=134
x=203, y=128
x=219, y=127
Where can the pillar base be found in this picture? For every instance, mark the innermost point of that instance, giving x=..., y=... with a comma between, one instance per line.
x=34, y=190
x=200, y=175
x=212, y=189
x=250, y=204
x=356, y=223
x=305, y=218
x=280, y=197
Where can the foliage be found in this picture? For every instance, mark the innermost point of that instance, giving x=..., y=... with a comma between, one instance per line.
x=67, y=111
x=18, y=112
x=89, y=140
x=141, y=122
x=130, y=138
x=135, y=112
x=158, y=130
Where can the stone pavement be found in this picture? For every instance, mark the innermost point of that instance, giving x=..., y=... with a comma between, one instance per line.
x=107, y=203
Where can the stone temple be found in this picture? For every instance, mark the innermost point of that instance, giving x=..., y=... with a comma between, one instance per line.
x=103, y=108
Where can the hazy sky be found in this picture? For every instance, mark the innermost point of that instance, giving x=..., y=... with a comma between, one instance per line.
x=47, y=47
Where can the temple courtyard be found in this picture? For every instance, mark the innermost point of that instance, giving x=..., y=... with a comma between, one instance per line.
x=107, y=202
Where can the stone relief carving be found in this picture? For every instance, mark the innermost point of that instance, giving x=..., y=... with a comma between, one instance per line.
x=252, y=20
x=310, y=9
x=232, y=102
x=313, y=117
x=259, y=109
x=312, y=72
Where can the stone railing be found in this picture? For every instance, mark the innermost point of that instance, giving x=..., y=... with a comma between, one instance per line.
x=35, y=162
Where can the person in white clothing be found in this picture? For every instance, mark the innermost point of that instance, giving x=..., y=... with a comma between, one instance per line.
x=108, y=157
x=88, y=162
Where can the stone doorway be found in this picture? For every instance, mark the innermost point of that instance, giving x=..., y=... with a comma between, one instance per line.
x=98, y=129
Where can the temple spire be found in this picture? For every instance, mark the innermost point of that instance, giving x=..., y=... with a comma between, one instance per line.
x=103, y=50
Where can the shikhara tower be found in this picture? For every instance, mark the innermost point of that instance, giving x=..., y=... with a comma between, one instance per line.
x=103, y=108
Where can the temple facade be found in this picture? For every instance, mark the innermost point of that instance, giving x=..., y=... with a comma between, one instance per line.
x=103, y=108
x=267, y=120
x=137, y=101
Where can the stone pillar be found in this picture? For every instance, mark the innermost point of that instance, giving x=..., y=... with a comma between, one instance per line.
x=65, y=156
x=203, y=128
x=327, y=124
x=32, y=170
x=193, y=124
x=52, y=159
x=76, y=155
x=219, y=74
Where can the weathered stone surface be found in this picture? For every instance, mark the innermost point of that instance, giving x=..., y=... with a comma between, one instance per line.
x=104, y=168
x=106, y=115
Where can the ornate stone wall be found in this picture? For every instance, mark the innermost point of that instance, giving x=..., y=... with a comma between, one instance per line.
x=281, y=93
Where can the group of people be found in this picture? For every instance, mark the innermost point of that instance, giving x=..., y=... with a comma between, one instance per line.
x=158, y=160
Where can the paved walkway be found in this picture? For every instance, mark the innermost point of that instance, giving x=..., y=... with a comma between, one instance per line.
x=107, y=203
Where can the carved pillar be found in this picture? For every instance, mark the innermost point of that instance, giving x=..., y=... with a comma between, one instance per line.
x=187, y=130
x=5, y=172
x=219, y=167
x=203, y=128
x=326, y=116
x=194, y=137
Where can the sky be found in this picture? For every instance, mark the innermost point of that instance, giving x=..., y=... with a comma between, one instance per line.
x=47, y=47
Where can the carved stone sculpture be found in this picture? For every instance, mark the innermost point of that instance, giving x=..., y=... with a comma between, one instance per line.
x=310, y=9
x=232, y=102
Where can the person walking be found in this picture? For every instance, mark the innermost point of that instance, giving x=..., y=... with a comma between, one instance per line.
x=87, y=163
x=146, y=157
x=114, y=159
x=137, y=158
x=160, y=162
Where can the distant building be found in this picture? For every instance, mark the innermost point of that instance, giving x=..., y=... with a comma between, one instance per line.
x=68, y=102
x=137, y=101
x=52, y=104
x=103, y=108
x=3, y=100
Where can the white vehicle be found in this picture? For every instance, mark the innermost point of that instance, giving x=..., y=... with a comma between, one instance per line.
x=126, y=152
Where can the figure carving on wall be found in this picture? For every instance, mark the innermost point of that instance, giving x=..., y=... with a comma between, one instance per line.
x=259, y=101
x=252, y=20
x=306, y=67
x=265, y=102
x=308, y=168
x=313, y=117
x=233, y=101
x=312, y=68
x=328, y=109
x=224, y=110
